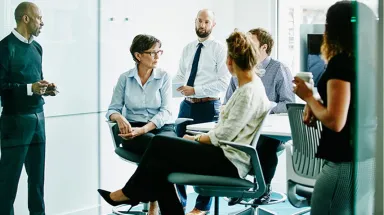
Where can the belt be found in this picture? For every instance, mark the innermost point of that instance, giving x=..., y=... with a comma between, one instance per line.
x=199, y=100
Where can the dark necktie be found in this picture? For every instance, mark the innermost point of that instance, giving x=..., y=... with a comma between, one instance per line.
x=192, y=76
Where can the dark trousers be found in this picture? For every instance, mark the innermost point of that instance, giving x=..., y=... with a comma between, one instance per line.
x=162, y=157
x=22, y=143
x=139, y=144
x=200, y=113
x=267, y=151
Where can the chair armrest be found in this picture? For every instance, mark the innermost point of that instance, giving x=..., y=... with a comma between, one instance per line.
x=194, y=132
x=111, y=123
x=289, y=146
x=272, y=105
x=250, y=150
x=216, y=118
x=245, y=148
x=182, y=120
x=177, y=121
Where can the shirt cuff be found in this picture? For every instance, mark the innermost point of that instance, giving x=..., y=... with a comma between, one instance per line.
x=109, y=113
x=157, y=122
x=213, y=138
x=29, y=90
x=198, y=90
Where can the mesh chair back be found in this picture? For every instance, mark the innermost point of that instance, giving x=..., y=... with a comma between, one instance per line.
x=258, y=132
x=305, y=140
x=254, y=143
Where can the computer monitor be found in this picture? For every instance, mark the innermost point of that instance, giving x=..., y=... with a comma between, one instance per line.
x=314, y=42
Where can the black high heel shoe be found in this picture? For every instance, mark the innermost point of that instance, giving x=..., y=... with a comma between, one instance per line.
x=106, y=196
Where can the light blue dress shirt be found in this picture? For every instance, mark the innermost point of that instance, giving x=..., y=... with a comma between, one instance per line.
x=277, y=80
x=148, y=103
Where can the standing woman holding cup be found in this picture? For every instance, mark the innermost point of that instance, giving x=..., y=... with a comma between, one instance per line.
x=337, y=185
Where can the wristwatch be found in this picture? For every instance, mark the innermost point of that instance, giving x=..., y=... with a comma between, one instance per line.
x=197, y=138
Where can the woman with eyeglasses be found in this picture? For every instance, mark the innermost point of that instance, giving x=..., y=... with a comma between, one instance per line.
x=141, y=98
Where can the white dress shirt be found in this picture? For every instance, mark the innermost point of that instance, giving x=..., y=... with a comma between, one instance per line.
x=24, y=40
x=212, y=76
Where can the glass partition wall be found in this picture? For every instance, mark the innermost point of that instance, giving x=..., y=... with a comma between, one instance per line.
x=300, y=26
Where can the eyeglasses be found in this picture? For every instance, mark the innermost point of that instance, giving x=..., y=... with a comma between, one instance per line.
x=153, y=54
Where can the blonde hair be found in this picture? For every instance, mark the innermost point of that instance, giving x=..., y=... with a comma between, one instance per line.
x=242, y=50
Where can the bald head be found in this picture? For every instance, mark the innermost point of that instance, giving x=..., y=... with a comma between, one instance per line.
x=25, y=8
x=205, y=22
x=29, y=19
x=206, y=13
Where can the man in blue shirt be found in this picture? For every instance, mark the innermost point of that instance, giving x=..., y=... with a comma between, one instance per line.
x=277, y=80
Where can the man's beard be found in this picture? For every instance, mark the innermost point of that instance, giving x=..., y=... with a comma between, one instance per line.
x=203, y=35
x=36, y=32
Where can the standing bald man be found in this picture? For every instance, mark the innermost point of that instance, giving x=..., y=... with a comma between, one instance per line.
x=204, y=73
x=22, y=122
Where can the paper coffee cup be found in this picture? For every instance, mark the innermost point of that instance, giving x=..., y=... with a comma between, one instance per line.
x=305, y=76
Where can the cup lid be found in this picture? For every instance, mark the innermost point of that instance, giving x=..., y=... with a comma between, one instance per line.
x=306, y=74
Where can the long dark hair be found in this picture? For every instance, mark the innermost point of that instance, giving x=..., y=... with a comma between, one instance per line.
x=341, y=28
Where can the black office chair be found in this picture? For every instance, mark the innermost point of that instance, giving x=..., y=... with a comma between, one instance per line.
x=129, y=157
x=227, y=186
x=302, y=165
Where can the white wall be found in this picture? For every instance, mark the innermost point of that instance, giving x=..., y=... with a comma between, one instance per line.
x=251, y=14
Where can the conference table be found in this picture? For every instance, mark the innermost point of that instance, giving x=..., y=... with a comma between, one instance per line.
x=276, y=126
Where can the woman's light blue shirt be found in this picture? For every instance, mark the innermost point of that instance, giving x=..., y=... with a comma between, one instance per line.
x=148, y=103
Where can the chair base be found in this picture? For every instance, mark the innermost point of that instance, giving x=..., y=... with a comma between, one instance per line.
x=254, y=211
x=303, y=211
x=263, y=211
x=281, y=198
x=248, y=211
x=278, y=197
x=123, y=210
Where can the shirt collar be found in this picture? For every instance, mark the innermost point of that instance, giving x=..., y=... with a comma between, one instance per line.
x=206, y=42
x=21, y=38
x=155, y=73
x=263, y=64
